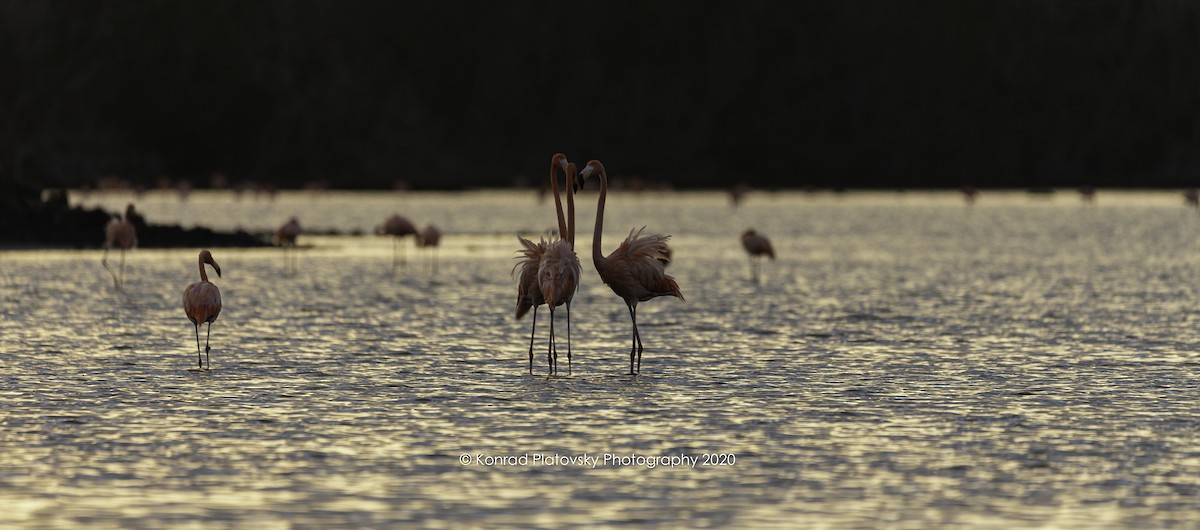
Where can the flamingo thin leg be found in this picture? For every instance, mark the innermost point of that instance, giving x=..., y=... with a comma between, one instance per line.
x=207, y=333
x=532, y=332
x=568, y=336
x=634, y=346
x=551, y=354
x=199, y=362
x=111, y=272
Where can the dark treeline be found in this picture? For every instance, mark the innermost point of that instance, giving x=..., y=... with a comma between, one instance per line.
x=450, y=94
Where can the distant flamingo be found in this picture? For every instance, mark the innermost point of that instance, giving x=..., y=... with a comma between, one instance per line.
x=1088, y=194
x=202, y=303
x=529, y=290
x=1191, y=197
x=559, y=269
x=757, y=245
x=286, y=237
x=121, y=233
x=636, y=270
x=430, y=237
x=969, y=193
x=398, y=227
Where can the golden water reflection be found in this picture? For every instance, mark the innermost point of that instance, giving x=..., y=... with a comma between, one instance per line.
x=907, y=362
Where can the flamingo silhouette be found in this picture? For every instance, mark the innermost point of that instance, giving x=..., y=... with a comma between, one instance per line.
x=636, y=270
x=286, y=237
x=559, y=269
x=397, y=226
x=430, y=237
x=202, y=303
x=122, y=234
x=529, y=290
x=757, y=245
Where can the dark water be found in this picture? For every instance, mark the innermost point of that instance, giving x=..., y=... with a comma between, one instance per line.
x=908, y=362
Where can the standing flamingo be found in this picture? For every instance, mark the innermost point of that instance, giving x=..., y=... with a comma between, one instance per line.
x=286, y=237
x=529, y=290
x=559, y=269
x=202, y=303
x=430, y=237
x=636, y=270
x=121, y=233
x=397, y=226
x=757, y=245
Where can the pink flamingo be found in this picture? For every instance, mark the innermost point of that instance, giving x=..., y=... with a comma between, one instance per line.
x=430, y=237
x=397, y=226
x=120, y=233
x=529, y=290
x=636, y=270
x=559, y=269
x=757, y=245
x=202, y=303
x=286, y=237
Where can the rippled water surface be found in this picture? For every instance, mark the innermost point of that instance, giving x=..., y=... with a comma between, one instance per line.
x=908, y=362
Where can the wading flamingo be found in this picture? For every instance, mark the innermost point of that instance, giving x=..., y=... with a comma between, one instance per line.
x=397, y=226
x=757, y=246
x=559, y=270
x=636, y=270
x=202, y=303
x=529, y=291
x=122, y=234
x=286, y=237
x=430, y=237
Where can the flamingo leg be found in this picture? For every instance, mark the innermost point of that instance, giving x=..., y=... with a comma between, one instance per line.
x=633, y=348
x=394, y=253
x=208, y=333
x=532, y=332
x=122, y=266
x=551, y=353
x=637, y=334
x=104, y=261
x=198, y=361
x=568, y=336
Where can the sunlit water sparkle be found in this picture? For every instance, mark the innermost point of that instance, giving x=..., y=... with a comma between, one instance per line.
x=908, y=362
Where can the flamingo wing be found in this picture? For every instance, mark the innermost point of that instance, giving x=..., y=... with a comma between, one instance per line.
x=638, y=268
x=529, y=294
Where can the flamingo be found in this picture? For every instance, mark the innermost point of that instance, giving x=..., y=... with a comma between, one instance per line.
x=286, y=237
x=430, y=237
x=757, y=245
x=121, y=233
x=529, y=290
x=636, y=270
x=397, y=226
x=202, y=303
x=559, y=269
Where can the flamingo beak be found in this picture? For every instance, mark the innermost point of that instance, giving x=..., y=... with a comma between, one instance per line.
x=217, y=268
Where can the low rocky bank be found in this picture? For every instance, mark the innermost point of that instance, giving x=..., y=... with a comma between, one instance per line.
x=33, y=219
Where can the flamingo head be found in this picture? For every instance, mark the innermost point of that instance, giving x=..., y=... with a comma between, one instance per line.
x=206, y=257
x=559, y=160
x=593, y=167
x=129, y=211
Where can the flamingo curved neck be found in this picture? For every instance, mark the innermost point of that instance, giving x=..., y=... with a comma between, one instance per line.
x=570, y=210
x=562, y=225
x=203, y=275
x=597, y=253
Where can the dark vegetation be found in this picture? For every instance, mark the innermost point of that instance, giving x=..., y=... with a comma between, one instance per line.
x=29, y=219
x=446, y=94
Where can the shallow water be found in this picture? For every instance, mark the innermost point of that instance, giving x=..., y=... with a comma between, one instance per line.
x=908, y=362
